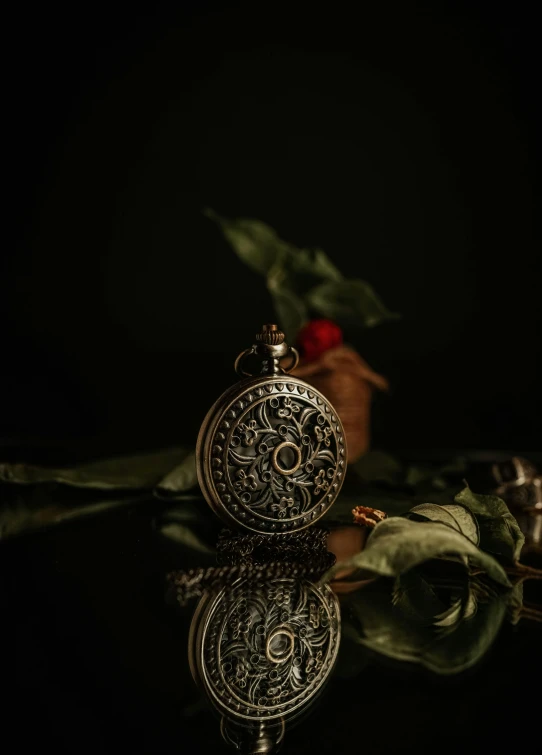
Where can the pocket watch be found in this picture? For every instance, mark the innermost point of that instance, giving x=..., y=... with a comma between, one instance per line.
x=262, y=652
x=271, y=453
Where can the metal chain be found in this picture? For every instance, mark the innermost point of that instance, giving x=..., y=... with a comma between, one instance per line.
x=255, y=557
x=234, y=548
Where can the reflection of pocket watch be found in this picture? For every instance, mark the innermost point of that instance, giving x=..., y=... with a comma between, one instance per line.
x=271, y=453
x=262, y=652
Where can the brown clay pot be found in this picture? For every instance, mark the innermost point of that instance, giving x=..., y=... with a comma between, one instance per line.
x=348, y=382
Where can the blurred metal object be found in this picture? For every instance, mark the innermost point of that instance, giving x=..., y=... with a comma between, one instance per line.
x=520, y=485
x=512, y=473
x=271, y=453
x=525, y=502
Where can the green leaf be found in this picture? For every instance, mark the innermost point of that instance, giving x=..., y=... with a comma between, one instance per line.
x=183, y=477
x=141, y=471
x=515, y=603
x=291, y=311
x=459, y=610
x=186, y=537
x=415, y=597
x=259, y=246
x=300, y=278
x=456, y=516
x=290, y=271
x=349, y=301
x=254, y=242
x=173, y=471
x=191, y=528
x=397, y=545
x=312, y=262
x=500, y=533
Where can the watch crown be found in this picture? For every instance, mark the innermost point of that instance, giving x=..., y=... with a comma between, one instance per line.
x=271, y=335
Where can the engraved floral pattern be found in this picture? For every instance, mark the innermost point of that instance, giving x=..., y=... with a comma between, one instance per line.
x=247, y=431
x=323, y=435
x=277, y=457
x=287, y=408
x=245, y=481
x=320, y=482
x=262, y=649
x=282, y=506
x=279, y=594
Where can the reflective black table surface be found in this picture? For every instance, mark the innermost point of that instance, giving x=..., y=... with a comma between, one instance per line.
x=97, y=661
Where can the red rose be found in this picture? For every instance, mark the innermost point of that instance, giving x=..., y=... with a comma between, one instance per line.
x=317, y=336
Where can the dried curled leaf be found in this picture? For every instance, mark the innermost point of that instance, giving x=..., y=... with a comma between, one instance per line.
x=445, y=641
x=397, y=545
x=454, y=515
x=500, y=533
x=290, y=308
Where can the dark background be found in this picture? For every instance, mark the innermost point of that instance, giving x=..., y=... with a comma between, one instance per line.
x=400, y=137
